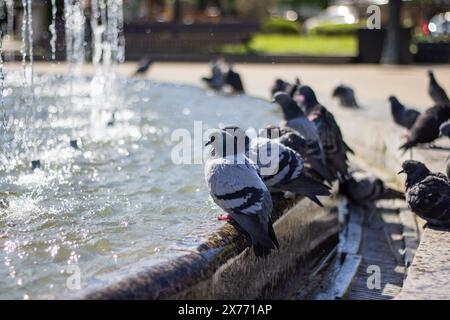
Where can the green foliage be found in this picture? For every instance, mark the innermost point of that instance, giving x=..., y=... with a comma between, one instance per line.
x=296, y=44
x=280, y=26
x=332, y=29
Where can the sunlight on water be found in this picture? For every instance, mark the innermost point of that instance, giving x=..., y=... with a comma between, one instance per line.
x=117, y=200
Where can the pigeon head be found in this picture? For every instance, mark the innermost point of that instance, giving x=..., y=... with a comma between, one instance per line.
x=431, y=74
x=415, y=171
x=288, y=106
x=444, y=129
x=307, y=97
x=340, y=90
x=240, y=138
x=221, y=142
x=393, y=99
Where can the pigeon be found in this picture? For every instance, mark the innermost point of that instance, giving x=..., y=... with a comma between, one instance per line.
x=216, y=81
x=402, y=116
x=427, y=194
x=233, y=79
x=444, y=129
x=236, y=186
x=426, y=127
x=346, y=96
x=294, y=140
x=281, y=168
x=283, y=86
x=362, y=187
x=436, y=92
x=333, y=143
x=143, y=66
x=295, y=118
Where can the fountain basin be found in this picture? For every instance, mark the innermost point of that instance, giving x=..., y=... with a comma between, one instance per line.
x=118, y=206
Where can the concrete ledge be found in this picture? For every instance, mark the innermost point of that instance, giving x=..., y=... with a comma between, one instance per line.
x=222, y=267
x=376, y=142
x=429, y=275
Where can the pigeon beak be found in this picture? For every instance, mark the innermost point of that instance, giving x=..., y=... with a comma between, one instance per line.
x=401, y=171
x=273, y=101
x=208, y=143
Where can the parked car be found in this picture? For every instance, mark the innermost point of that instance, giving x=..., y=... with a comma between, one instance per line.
x=440, y=24
x=333, y=15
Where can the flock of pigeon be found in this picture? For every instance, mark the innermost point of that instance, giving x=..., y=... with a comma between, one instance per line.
x=310, y=154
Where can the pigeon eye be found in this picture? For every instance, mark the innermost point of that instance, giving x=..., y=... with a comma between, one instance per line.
x=213, y=138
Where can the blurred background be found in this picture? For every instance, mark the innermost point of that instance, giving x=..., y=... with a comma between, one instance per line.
x=287, y=30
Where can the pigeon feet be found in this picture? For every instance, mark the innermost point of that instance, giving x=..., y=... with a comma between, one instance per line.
x=224, y=217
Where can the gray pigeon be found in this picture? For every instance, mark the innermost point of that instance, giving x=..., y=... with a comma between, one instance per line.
x=436, y=92
x=295, y=118
x=281, y=168
x=427, y=194
x=346, y=96
x=426, y=127
x=403, y=116
x=362, y=187
x=444, y=129
x=333, y=143
x=217, y=80
x=237, y=188
x=294, y=140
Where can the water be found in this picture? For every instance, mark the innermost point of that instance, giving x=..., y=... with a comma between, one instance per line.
x=120, y=198
x=52, y=29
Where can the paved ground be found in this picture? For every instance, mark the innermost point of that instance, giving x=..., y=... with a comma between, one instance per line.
x=371, y=82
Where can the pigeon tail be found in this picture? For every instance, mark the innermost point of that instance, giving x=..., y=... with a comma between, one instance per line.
x=307, y=187
x=390, y=193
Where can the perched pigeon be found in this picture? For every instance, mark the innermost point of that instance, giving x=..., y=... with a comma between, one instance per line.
x=237, y=188
x=216, y=81
x=436, y=92
x=233, y=79
x=362, y=187
x=444, y=129
x=294, y=140
x=346, y=96
x=283, y=86
x=143, y=66
x=295, y=118
x=427, y=194
x=402, y=116
x=426, y=127
x=280, y=167
x=330, y=134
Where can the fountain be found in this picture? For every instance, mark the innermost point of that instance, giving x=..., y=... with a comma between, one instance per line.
x=104, y=196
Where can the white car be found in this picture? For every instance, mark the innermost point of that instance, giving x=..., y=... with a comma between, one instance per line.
x=333, y=14
x=440, y=24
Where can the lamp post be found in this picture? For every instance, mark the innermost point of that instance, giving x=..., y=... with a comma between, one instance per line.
x=392, y=45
